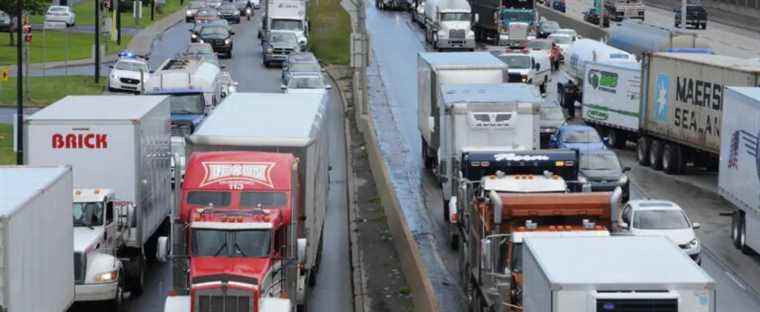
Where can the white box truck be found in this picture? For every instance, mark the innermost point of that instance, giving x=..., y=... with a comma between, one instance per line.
x=448, y=26
x=611, y=100
x=435, y=69
x=119, y=150
x=577, y=274
x=288, y=16
x=682, y=103
x=282, y=123
x=739, y=175
x=37, y=271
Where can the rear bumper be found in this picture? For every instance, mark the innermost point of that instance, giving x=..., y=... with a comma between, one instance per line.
x=276, y=58
x=96, y=292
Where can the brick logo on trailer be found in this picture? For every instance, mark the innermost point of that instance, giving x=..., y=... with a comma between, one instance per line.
x=237, y=172
x=79, y=141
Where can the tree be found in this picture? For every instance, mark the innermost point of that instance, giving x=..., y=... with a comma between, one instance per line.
x=30, y=7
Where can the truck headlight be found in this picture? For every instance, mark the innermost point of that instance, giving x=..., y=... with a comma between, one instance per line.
x=693, y=244
x=107, y=277
x=623, y=179
x=188, y=13
x=269, y=50
x=194, y=36
x=524, y=78
x=227, y=41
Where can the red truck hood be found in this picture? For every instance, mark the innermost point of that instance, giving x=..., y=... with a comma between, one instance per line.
x=239, y=270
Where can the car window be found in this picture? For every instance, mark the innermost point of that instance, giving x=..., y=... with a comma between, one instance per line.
x=627, y=214
x=581, y=136
x=539, y=45
x=660, y=220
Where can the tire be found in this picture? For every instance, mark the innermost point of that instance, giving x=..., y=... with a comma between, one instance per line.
x=136, y=276
x=743, y=236
x=454, y=241
x=616, y=138
x=670, y=159
x=642, y=151
x=655, y=154
x=115, y=303
x=446, y=211
x=736, y=228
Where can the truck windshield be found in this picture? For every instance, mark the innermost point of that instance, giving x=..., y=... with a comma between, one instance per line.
x=263, y=199
x=518, y=16
x=284, y=24
x=88, y=214
x=191, y=103
x=452, y=17
x=209, y=198
x=226, y=243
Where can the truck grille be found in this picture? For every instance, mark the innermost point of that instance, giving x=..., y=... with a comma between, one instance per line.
x=80, y=262
x=215, y=301
x=637, y=305
x=456, y=34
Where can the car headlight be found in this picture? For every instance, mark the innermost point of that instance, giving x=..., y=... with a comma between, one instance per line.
x=194, y=36
x=188, y=12
x=201, y=41
x=107, y=277
x=237, y=13
x=227, y=41
x=269, y=50
x=524, y=78
x=623, y=179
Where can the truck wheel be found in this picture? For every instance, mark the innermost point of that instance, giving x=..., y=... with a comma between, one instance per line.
x=616, y=138
x=446, y=211
x=743, y=236
x=136, y=275
x=642, y=151
x=655, y=154
x=670, y=159
x=736, y=228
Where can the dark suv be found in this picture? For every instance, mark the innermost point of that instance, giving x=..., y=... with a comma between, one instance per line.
x=219, y=37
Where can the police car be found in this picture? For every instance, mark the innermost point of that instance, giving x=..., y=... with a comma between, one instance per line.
x=128, y=73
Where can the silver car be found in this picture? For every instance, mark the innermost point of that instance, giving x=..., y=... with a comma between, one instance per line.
x=5, y=21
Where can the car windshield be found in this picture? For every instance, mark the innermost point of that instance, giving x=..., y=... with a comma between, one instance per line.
x=539, y=45
x=600, y=161
x=306, y=83
x=568, y=32
x=516, y=61
x=284, y=24
x=304, y=67
x=450, y=17
x=225, y=243
x=549, y=26
x=660, y=220
x=196, y=5
x=187, y=103
x=88, y=214
x=581, y=136
x=214, y=31
x=263, y=199
x=209, y=198
x=57, y=9
x=228, y=7
x=132, y=66
x=561, y=39
x=285, y=38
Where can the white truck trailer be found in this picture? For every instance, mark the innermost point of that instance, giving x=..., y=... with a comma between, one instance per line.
x=436, y=69
x=611, y=100
x=35, y=239
x=288, y=16
x=682, y=103
x=476, y=117
x=638, y=38
x=119, y=150
x=283, y=123
x=448, y=24
x=739, y=175
x=576, y=274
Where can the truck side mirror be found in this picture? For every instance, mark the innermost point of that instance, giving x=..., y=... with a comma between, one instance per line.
x=696, y=225
x=626, y=169
x=477, y=18
x=162, y=249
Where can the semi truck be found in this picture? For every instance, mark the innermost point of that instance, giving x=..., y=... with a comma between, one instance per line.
x=436, y=69
x=625, y=9
x=739, y=174
x=638, y=38
x=243, y=122
x=611, y=100
x=287, y=16
x=504, y=22
x=682, y=103
x=576, y=274
x=482, y=116
x=36, y=239
x=518, y=195
x=448, y=25
x=119, y=150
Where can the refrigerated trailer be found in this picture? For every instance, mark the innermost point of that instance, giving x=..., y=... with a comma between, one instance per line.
x=119, y=149
x=611, y=100
x=739, y=176
x=626, y=273
x=37, y=271
x=682, y=102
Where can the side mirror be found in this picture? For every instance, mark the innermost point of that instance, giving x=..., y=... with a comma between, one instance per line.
x=477, y=18
x=283, y=87
x=162, y=249
x=606, y=140
x=328, y=87
x=626, y=169
x=151, y=71
x=538, y=66
x=696, y=225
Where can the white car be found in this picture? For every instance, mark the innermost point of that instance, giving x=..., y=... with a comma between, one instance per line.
x=661, y=218
x=532, y=67
x=568, y=31
x=563, y=41
x=61, y=14
x=306, y=83
x=128, y=74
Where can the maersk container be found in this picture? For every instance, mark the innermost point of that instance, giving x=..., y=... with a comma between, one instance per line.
x=639, y=38
x=739, y=177
x=624, y=273
x=36, y=234
x=682, y=101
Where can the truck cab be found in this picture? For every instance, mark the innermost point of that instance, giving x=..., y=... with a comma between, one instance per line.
x=286, y=16
x=517, y=22
x=625, y=9
x=98, y=233
x=448, y=24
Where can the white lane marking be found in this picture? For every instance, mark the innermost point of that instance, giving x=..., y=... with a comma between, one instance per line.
x=736, y=280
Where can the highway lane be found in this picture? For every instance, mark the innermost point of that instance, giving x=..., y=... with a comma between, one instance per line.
x=333, y=287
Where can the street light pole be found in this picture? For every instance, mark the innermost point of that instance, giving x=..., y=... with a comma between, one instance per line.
x=97, y=41
x=683, y=15
x=118, y=22
x=19, y=83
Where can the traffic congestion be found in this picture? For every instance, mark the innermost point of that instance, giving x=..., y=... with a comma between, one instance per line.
x=549, y=169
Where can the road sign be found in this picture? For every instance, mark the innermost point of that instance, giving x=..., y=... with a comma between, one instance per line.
x=5, y=73
x=55, y=25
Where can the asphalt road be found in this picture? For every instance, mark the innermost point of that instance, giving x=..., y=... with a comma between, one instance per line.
x=333, y=288
x=390, y=30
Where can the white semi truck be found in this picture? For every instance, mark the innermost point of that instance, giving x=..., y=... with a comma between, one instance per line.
x=119, y=150
x=611, y=100
x=577, y=274
x=37, y=272
x=448, y=24
x=288, y=16
x=739, y=175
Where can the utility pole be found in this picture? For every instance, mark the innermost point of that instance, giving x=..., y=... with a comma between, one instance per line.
x=152, y=8
x=118, y=22
x=360, y=59
x=683, y=15
x=19, y=83
x=97, y=41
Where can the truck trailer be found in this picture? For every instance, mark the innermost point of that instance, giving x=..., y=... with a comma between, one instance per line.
x=286, y=16
x=682, y=102
x=639, y=38
x=119, y=150
x=739, y=175
x=436, y=69
x=36, y=237
x=447, y=24
x=611, y=100
x=625, y=273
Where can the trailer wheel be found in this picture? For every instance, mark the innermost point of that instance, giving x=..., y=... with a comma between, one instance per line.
x=736, y=228
x=642, y=151
x=616, y=138
x=655, y=154
x=446, y=211
x=743, y=236
x=670, y=159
